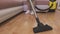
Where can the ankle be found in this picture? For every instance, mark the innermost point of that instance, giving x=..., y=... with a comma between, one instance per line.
x=28, y=11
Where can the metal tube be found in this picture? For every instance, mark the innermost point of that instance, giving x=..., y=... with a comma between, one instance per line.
x=33, y=8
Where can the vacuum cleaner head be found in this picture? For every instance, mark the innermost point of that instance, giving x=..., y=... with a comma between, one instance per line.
x=42, y=28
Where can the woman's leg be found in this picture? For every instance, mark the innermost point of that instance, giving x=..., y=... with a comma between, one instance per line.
x=28, y=8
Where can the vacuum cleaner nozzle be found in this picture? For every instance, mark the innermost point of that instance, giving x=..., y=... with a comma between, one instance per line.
x=41, y=27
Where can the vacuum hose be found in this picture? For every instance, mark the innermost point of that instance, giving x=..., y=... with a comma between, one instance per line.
x=43, y=9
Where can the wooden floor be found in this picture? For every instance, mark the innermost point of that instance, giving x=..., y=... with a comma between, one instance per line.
x=23, y=24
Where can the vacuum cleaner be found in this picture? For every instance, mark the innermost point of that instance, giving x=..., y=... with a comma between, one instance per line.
x=52, y=7
x=40, y=26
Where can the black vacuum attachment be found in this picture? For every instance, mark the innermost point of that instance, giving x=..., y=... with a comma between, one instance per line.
x=41, y=27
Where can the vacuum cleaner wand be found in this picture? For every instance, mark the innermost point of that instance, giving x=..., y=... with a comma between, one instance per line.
x=41, y=27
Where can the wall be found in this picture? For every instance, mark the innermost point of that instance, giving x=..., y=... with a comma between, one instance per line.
x=58, y=4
